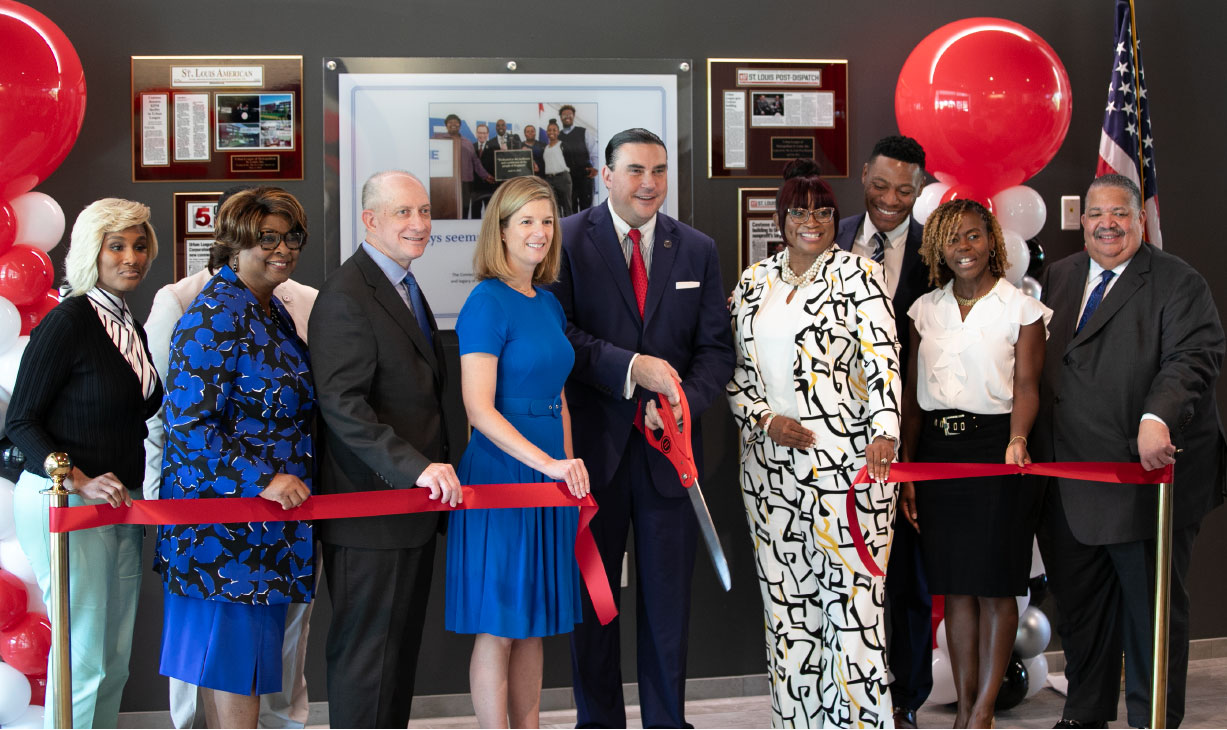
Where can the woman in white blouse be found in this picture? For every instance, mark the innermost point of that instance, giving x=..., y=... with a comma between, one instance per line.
x=979, y=350
x=815, y=396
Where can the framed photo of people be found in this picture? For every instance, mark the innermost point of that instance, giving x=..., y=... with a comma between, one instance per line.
x=195, y=217
x=764, y=113
x=216, y=118
x=758, y=236
x=466, y=125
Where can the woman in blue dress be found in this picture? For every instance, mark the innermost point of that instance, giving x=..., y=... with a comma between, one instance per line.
x=239, y=413
x=511, y=573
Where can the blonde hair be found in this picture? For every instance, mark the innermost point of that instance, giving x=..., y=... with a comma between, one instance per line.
x=943, y=225
x=490, y=259
x=99, y=218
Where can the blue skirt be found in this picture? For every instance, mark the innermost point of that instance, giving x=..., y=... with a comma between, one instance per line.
x=232, y=647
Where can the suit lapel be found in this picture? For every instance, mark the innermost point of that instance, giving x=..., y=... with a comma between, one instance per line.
x=1133, y=279
x=605, y=240
x=385, y=294
x=664, y=250
x=1063, y=295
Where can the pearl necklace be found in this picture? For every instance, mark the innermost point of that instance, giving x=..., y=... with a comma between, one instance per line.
x=971, y=302
x=799, y=280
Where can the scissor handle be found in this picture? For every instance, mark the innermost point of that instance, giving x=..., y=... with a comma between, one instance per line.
x=674, y=442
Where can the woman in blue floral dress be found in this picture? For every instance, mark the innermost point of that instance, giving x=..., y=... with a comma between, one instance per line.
x=239, y=410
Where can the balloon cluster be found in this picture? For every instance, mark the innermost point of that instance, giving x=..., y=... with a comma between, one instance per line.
x=1027, y=672
x=44, y=106
x=990, y=102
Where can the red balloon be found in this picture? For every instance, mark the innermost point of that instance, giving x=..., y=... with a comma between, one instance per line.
x=24, y=646
x=12, y=599
x=32, y=314
x=988, y=99
x=38, y=689
x=8, y=226
x=962, y=192
x=25, y=273
x=44, y=98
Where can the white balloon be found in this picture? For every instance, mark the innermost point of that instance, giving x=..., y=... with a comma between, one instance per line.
x=10, y=324
x=1030, y=287
x=1023, y=601
x=930, y=197
x=34, y=599
x=942, y=642
x=943, y=692
x=40, y=220
x=13, y=559
x=10, y=360
x=1020, y=209
x=1033, y=634
x=1018, y=256
x=14, y=694
x=8, y=528
x=1037, y=673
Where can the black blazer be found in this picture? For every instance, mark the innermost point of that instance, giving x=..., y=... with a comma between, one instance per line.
x=76, y=393
x=1155, y=345
x=380, y=391
x=913, y=279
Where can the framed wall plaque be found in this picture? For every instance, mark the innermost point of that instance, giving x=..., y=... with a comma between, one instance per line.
x=195, y=216
x=764, y=113
x=758, y=236
x=216, y=118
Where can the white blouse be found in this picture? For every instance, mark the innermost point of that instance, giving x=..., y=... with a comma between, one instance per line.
x=968, y=365
x=776, y=326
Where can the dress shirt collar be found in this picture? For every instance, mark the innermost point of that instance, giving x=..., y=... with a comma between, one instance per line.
x=1097, y=271
x=114, y=306
x=647, y=231
x=394, y=271
x=894, y=239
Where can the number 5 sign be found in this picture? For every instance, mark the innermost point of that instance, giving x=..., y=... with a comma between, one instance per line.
x=195, y=219
x=200, y=217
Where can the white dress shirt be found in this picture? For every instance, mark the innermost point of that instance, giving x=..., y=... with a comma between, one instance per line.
x=896, y=242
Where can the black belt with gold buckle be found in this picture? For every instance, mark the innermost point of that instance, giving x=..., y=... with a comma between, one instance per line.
x=955, y=424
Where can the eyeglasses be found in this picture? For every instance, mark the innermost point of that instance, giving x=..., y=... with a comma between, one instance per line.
x=270, y=240
x=801, y=215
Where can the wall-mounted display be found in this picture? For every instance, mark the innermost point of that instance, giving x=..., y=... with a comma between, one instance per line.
x=195, y=216
x=216, y=118
x=764, y=113
x=758, y=236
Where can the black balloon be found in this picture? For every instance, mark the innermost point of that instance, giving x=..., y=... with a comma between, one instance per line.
x=1037, y=259
x=1013, y=684
x=1039, y=589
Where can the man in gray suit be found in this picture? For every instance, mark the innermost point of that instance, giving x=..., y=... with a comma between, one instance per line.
x=1133, y=357
x=379, y=377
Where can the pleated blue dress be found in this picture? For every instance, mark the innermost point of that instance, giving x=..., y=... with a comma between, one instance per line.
x=512, y=572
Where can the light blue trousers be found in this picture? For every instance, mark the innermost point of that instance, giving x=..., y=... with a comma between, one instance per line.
x=104, y=586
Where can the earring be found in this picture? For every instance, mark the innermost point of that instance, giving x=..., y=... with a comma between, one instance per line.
x=234, y=264
x=992, y=254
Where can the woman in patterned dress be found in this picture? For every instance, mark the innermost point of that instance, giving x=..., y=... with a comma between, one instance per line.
x=815, y=396
x=239, y=409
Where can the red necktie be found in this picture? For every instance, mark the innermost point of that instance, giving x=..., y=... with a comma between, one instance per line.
x=639, y=272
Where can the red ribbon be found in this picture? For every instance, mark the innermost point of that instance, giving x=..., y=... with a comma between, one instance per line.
x=358, y=504
x=1092, y=471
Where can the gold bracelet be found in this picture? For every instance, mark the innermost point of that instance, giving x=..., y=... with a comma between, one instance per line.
x=1016, y=438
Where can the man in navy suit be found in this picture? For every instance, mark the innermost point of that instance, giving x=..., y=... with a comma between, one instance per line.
x=645, y=305
x=887, y=233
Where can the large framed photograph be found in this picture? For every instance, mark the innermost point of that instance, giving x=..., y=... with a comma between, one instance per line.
x=764, y=113
x=216, y=118
x=430, y=117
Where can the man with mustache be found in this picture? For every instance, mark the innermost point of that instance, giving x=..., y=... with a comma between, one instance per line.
x=893, y=178
x=1133, y=356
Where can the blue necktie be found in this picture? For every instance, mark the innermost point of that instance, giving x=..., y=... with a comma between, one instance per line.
x=418, y=305
x=879, y=247
x=1092, y=302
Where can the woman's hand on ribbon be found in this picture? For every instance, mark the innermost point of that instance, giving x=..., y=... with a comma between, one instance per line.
x=789, y=432
x=907, y=504
x=286, y=490
x=106, y=486
x=1016, y=453
x=878, y=455
x=571, y=471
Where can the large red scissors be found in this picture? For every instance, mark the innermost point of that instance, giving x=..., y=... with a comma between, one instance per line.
x=674, y=443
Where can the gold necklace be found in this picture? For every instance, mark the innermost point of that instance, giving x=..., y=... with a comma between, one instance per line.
x=971, y=302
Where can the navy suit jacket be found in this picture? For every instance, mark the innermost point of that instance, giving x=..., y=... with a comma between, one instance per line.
x=685, y=322
x=913, y=279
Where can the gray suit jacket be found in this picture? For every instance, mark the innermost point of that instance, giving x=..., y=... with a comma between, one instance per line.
x=1155, y=345
x=380, y=389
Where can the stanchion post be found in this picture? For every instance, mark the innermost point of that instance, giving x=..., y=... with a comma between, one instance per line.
x=58, y=466
x=1163, y=583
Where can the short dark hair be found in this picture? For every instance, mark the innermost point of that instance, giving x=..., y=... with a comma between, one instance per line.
x=804, y=186
x=565, y=107
x=898, y=147
x=1113, y=180
x=450, y=117
x=238, y=220
x=634, y=135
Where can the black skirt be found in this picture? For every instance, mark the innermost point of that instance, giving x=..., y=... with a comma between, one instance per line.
x=976, y=533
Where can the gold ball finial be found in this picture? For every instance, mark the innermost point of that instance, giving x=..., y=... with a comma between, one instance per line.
x=57, y=464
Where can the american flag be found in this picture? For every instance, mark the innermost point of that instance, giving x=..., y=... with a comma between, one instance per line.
x=1125, y=145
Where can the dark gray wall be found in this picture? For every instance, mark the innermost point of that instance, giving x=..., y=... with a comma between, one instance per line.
x=875, y=38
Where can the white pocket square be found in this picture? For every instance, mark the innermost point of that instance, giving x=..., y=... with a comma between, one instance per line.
x=688, y=285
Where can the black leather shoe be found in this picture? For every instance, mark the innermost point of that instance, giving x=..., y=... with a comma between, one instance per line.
x=1078, y=724
x=905, y=718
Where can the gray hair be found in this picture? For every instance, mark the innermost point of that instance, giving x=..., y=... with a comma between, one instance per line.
x=99, y=218
x=373, y=188
x=1112, y=180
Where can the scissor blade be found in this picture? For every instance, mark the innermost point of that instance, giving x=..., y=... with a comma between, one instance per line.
x=708, y=528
